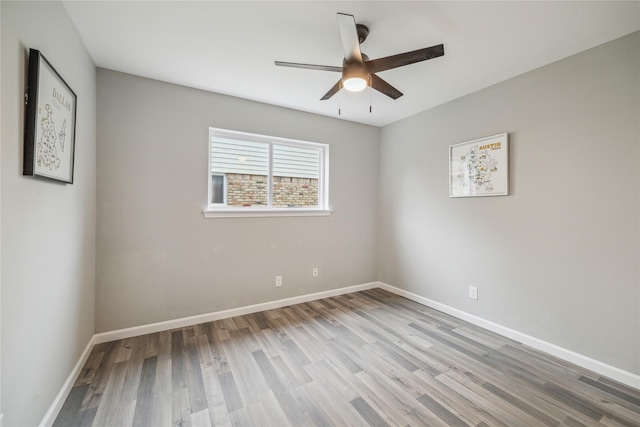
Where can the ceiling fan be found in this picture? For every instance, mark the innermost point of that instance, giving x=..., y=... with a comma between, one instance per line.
x=357, y=70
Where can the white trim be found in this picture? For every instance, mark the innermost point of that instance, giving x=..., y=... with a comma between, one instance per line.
x=627, y=378
x=257, y=213
x=51, y=415
x=217, y=315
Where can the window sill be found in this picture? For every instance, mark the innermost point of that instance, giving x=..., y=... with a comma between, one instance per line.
x=257, y=213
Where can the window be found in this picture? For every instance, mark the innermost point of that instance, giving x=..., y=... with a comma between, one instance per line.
x=257, y=175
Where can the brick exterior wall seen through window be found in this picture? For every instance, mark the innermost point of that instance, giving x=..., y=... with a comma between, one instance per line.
x=294, y=192
x=247, y=190
x=252, y=190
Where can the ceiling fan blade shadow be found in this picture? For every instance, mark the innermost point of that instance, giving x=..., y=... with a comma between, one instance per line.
x=383, y=87
x=309, y=66
x=402, y=59
x=335, y=89
x=349, y=38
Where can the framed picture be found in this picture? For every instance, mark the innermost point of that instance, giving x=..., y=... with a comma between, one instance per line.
x=479, y=167
x=50, y=122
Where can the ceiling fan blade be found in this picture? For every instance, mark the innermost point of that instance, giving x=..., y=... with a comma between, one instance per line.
x=335, y=89
x=309, y=66
x=349, y=37
x=382, y=86
x=402, y=59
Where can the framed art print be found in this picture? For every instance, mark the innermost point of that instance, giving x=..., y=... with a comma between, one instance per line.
x=50, y=122
x=479, y=167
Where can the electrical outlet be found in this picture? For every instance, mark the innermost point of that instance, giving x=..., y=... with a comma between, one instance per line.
x=278, y=281
x=473, y=292
x=314, y=272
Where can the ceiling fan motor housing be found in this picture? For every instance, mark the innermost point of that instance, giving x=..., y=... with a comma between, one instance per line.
x=355, y=71
x=356, y=75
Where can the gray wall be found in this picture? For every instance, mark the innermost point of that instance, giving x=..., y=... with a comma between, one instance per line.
x=558, y=258
x=158, y=258
x=48, y=229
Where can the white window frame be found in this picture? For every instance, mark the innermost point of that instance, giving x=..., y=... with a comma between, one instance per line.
x=221, y=210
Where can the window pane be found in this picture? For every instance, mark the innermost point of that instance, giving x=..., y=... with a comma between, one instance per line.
x=242, y=157
x=244, y=190
x=295, y=176
x=246, y=166
x=217, y=188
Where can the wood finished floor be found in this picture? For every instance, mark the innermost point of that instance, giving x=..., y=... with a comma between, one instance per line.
x=367, y=358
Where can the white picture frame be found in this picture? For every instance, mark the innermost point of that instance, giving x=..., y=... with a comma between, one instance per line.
x=480, y=167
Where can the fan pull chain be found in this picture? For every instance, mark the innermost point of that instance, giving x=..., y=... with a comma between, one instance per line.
x=370, y=96
x=340, y=104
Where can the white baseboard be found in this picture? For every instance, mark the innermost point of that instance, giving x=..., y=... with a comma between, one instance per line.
x=624, y=377
x=217, y=315
x=50, y=417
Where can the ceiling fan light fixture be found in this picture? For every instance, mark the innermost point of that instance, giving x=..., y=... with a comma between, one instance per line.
x=355, y=79
x=354, y=84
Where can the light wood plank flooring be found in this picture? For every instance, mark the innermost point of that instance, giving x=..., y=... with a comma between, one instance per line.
x=367, y=358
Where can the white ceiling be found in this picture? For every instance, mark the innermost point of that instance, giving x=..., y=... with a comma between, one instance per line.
x=229, y=47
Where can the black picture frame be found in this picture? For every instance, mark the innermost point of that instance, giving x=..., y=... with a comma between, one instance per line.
x=50, y=122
